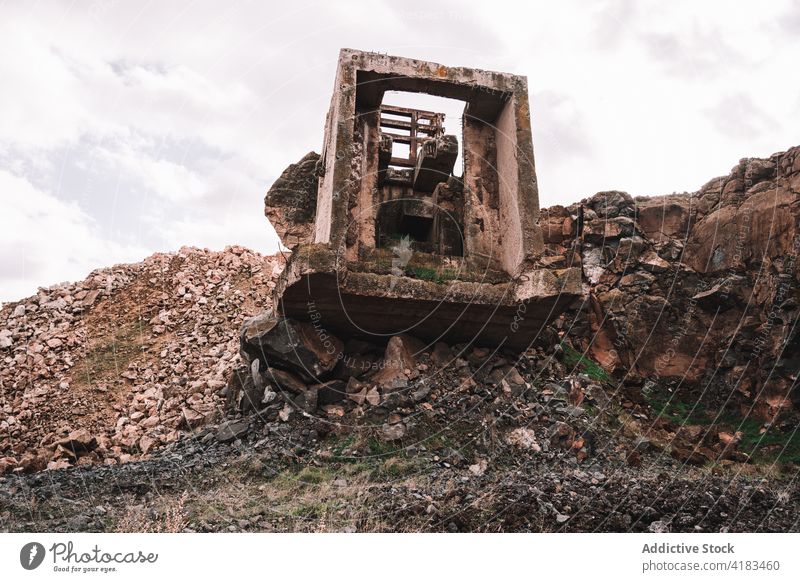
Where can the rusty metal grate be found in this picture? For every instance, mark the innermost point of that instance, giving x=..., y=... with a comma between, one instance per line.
x=419, y=125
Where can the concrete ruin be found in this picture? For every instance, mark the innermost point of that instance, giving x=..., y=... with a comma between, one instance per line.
x=399, y=244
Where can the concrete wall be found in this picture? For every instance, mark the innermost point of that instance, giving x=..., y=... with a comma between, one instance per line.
x=333, y=194
x=510, y=237
x=500, y=215
x=481, y=227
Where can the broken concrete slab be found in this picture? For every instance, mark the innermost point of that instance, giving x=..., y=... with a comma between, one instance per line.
x=435, y=162
x=291, y=202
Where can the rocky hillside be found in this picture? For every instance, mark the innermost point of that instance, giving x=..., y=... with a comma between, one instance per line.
x=133, y=357
x=675, y=375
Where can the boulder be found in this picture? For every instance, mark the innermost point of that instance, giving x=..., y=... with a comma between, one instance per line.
x=78, y=442
x=291, y=202
x=284, y=380
x=664, y=218
x=399, y=363
x=192, y=419
x=231, y=430
x=612, y=204
x=147, y=444
x=329, y=392
x=393, y=432
x=523, y=438
x=5, y=338
x=306, y=350
x=442, y=355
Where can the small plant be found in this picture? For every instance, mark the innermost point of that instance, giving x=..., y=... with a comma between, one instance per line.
x=574, y=359
x=433, y=275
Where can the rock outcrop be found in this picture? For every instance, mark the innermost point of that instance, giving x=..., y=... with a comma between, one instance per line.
x=701, y=288
x=291, y=202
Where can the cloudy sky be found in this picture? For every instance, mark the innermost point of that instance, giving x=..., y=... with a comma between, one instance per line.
x=130, y=127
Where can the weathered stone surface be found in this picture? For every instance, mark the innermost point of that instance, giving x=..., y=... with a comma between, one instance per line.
x=399, y=363
x=393, y=432
x=704, y=291
x=523, y=438
x=435, y=162
x=745, y=230
x=291, y=202
x=329, y=392
x=5, y=338
x=661, y=219
x=78, y=442
x=285, y=380
x=308, y=351
x=231, y=430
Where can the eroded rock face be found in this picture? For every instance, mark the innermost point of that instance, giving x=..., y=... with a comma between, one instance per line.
x=291, y=202
x=699, y=287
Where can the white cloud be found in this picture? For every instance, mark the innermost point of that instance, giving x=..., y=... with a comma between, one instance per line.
x=144, y=127
x=44, y=240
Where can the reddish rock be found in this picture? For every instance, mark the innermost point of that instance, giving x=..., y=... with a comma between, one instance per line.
x=399, y=363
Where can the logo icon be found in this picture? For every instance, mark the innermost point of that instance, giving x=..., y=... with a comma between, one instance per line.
x=31, y=555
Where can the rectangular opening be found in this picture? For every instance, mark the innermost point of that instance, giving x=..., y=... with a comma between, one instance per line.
x=400, y=150
x=429, y=105
x=417, y=228
x=394, y=116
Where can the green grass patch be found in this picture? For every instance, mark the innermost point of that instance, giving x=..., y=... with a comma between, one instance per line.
x=431, y=274
x=772, y=445
x=395, y=468
x=339, y=446
x=763, y=448
x=381, y=448
x=314, y=475
x=575, y=359
x=668, y=405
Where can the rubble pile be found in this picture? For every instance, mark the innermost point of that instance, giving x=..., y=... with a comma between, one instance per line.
x=113, y=367
x=403, y=390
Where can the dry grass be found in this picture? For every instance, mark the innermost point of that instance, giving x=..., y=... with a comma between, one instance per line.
x=171, y=519
x=326, y=498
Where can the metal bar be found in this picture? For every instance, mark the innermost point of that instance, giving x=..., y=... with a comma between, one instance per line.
x=403, y=162
x=398, y=138
x=406, y=111
x=395, y=124
x=412, y=154
x=430, y=131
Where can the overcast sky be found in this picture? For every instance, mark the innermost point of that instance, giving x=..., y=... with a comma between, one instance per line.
x=129, y=127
